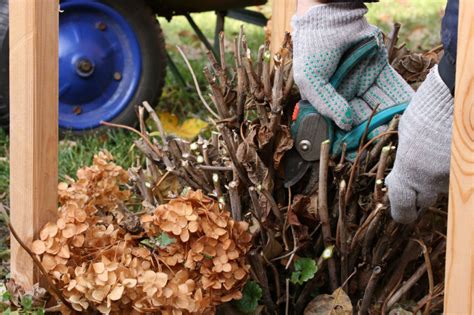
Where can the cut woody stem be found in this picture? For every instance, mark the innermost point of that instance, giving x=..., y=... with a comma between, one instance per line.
x=323, y=209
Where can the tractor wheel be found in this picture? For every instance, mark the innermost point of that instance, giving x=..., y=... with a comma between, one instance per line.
x=111, y=58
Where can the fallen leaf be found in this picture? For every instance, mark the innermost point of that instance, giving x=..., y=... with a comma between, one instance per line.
x=188, y=129
x=335, y=304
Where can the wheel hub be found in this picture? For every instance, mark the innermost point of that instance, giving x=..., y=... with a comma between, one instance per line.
x=84, y=68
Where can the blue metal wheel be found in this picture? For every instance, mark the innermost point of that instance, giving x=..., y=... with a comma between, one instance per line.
x=104, y=47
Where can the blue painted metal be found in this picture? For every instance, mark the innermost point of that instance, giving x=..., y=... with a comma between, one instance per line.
x=99, y=64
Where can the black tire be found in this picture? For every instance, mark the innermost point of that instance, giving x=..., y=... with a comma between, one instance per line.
x=152, y=45
x=4, y=61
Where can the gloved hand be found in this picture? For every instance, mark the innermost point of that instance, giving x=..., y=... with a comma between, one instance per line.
x=421, y=169
x=320, y=38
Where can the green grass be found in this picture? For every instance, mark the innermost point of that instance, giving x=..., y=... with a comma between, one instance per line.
x=420, y=20
x=76, y=152
x=420, y=27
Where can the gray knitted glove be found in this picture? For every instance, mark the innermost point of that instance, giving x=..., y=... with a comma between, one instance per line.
x=320, y=39
x=421, y=169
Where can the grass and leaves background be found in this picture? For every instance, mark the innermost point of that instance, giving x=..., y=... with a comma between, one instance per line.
x=180, y=107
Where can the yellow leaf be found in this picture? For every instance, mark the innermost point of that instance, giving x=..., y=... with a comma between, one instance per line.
x=188, y=130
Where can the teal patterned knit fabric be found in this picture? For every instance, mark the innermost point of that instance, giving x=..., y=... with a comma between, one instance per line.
x=320, y=39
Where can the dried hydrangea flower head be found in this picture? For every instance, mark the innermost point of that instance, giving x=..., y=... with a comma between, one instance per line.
x=189, y=259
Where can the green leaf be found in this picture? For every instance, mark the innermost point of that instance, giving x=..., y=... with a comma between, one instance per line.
x=40, y=311
x=252, y=293
x=305, y=269
x=148, y=243
x=164, y=240
x=160, y=241
x=6, y=296
x=26, y=302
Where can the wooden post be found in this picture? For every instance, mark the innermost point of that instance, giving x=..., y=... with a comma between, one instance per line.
x=33, y=125
x=282, y=11
x=459, y=282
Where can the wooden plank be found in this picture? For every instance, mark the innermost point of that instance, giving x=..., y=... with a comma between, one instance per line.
x=33, y=125
x=459, y=282
x=282, y=11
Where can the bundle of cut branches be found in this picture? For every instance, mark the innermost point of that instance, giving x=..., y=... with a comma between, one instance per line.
x=327, y=245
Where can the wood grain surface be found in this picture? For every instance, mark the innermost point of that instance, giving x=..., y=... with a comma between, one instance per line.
x=459, y=282
x=33, y=125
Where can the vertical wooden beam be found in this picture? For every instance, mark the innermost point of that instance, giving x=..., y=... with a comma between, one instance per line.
x=282, y=11
x=459, y=282
x=33, y=125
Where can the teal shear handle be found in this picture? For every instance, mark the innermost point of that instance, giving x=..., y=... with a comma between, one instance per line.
x=352, y=138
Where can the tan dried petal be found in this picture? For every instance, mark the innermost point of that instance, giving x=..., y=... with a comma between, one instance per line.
x=48, y=262
x=80, y=215
x=69, y=230
x=141, y=252
x=49, y=230
x=80, y=228
x=38, y=247
x=209, y=251
x=234, y=254
x=78, y=240
x=193, y=226
x=197, y=247
x=112, y=278
x=61, y=223
x=129, y=283
x=184, y=236
x=168, y=292
x=148, y=276
x=71, y=285
x=116, y=293
x=104, y=277
x=183, y=288
x=98, y=267
x=232, y=296
x=62, y=186
x=161, y=279
x=146, y=218
x=112, y=266
x=171, y=260
x=239, y=274
x=60, y=260
x=220, y=231
x=53, y=247
x=64, y=252
x=104, y=308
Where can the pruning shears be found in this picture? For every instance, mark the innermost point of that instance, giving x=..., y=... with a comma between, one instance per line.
x=309, y=128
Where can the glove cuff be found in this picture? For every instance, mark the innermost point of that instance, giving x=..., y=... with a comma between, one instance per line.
x=434, y=102
x=332, y=24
